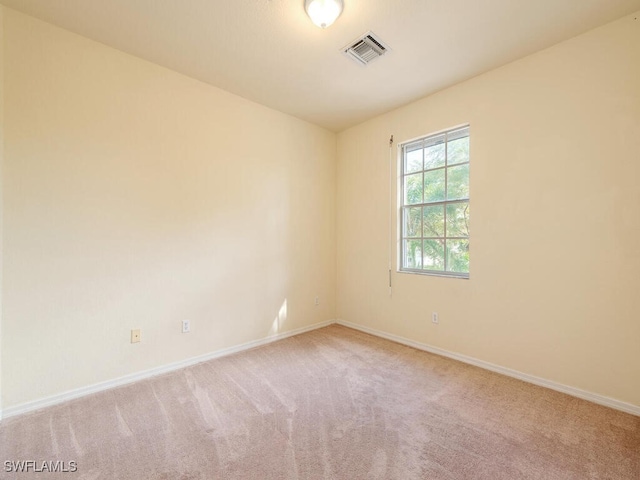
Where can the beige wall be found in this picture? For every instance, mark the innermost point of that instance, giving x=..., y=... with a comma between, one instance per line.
x=555, y=189
x=1, y=179
x=135, y=197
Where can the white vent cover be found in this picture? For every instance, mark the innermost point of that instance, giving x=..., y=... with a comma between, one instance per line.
x=365, y=49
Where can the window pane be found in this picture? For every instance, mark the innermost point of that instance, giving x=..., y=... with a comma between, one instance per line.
x=433, y=256
x=458, y=182
x=412, y=254
x=435, y=209
x=413, y=189
x=458, y=256
x=412, y=222
x=434, y=156
x=456, y=134
x=458, y=220
x=458, y=151
x=413, y=161
x=433, y=221
x=434, y=186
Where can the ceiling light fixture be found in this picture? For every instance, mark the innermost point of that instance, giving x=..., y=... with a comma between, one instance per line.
x=323, y=12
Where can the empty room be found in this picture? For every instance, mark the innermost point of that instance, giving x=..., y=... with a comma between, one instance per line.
x=320, y=239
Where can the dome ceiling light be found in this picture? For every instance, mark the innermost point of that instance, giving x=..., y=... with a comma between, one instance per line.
x=323, y=12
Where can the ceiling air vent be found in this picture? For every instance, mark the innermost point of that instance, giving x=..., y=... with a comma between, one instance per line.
x=365, y=49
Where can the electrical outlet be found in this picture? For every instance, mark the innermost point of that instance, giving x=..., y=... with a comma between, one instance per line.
x=317, y=301
x=434, y=317
x=186, y=326
x=135, y=336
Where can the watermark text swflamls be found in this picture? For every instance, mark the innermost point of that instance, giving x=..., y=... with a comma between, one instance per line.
x=49, y=466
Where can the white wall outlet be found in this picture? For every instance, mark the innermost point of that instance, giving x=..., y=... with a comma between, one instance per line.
x=317, y=301
x=434, y=317
x=135, y=335
x=186, y=326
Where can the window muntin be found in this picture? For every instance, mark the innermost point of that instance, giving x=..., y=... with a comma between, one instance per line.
x=434, y=212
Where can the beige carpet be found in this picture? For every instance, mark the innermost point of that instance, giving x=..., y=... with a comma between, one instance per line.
x=330, y=404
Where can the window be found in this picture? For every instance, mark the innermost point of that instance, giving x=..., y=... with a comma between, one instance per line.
x=434, y=212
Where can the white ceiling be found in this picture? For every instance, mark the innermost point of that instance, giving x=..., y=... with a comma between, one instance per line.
x=270, y=52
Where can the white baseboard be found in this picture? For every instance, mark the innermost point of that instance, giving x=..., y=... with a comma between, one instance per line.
x=575, y=392
x=134, y=377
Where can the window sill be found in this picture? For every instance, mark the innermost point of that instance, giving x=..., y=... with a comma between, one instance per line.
x=463, y=276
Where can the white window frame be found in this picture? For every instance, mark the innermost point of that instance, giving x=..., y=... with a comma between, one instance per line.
x=401, y=202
